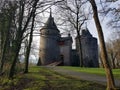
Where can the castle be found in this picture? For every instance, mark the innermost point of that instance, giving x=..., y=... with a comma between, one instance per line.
x=54, y=48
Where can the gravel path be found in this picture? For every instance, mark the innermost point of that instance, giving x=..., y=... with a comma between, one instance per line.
x=84, y=76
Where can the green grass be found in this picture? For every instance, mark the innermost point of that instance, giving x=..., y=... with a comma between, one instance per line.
x=40, y=78
x=97, y=71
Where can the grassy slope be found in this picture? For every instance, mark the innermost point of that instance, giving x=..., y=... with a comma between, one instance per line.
x=40, y=78
x=97, y=71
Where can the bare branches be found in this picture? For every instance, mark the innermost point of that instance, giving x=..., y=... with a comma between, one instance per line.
x=73, y=12
x=110, y=9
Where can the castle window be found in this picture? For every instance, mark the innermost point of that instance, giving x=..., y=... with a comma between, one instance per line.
x=61, y=43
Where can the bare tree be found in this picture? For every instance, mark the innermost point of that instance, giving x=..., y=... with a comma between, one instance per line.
x=113, y=49
x=30, y=42
x=21, y=21
x=73, y=14
x=111, y=54
x=20, y=32
x=7, y=14
x=49, y=4
x=109, y=74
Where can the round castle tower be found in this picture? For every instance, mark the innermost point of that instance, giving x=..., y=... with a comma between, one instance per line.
x=49, y=48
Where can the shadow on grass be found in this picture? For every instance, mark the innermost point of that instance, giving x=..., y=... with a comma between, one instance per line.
x=40, y=78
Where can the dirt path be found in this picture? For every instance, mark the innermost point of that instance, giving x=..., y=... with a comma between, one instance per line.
x=84, y=76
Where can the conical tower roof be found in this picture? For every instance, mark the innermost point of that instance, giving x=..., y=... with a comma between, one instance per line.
x=86, y=33
x=50, y=24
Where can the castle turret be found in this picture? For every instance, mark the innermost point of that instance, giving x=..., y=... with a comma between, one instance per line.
x=89, y=49
x=49, y=48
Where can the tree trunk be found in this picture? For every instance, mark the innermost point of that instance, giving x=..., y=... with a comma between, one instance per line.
x=18, y=41
x=80, y=51
x=79, y=37
x=15, y=57
x=113, y=60
x=109, y=75
x=29, y=45
x=5, y=45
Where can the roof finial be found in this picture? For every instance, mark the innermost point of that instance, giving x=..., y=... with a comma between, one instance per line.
x=50, y=12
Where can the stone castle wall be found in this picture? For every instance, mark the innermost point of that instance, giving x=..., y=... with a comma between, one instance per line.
x=89, y=49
